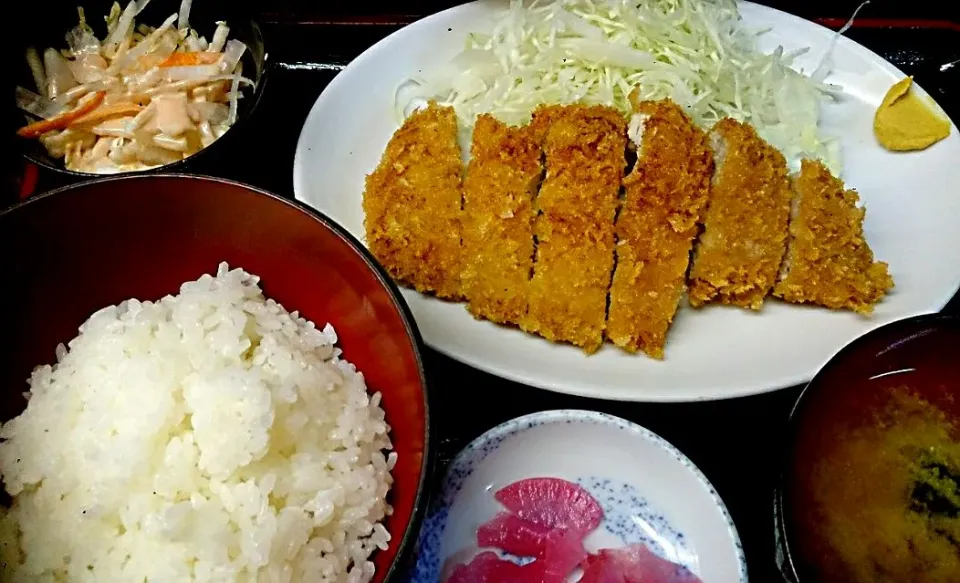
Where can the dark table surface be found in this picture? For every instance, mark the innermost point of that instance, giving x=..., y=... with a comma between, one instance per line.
x=735, y=442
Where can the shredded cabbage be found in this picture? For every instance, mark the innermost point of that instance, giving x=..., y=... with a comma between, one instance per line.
x=232, y=53
x=183, y=20
x=81, y=38
x=144, y=46
x=234, y=97
x=36, y=68
x=193, y=72
x=59, y=77
x=123, y=27
x=823, y=69
x=695, y=52
x=112, y=19
x=219, y=37
x=37, y=105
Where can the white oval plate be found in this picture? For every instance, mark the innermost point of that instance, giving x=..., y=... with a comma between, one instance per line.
x=650, y=492
x=912, y=200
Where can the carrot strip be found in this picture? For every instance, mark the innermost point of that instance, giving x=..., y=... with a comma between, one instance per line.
x=62, y=121
x=106, y=112
x=190, y=59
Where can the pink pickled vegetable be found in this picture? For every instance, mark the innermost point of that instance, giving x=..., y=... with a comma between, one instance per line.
x=596, y=570
x=633, y=564
x=487, y=567
x=561, y=555
x=557, y=552
x=510, y=533
x=548, y=520
x=553, y=503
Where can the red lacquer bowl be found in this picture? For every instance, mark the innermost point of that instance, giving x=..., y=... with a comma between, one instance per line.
x=66, y=254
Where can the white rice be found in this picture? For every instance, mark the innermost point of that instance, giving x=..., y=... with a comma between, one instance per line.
x=210, y=436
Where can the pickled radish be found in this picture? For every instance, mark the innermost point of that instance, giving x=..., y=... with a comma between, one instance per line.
x=512, y=534
x=553, y=503
x=546, y=525
x=633, y=564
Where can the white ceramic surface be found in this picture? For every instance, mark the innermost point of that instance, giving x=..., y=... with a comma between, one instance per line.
x=650, y=492
x=912, y=200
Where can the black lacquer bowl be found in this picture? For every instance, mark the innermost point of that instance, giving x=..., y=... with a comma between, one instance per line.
x=870, y=486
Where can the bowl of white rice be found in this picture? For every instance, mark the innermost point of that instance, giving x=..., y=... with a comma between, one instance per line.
x=208, y=383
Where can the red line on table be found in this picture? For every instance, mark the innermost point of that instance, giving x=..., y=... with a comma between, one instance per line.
x=891, y=23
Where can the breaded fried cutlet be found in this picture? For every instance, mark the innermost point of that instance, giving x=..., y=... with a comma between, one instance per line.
x=412, y=204
x=744, y=237
x=664, y=198
x=584, y=149
x=502, y=180
x=828, y=261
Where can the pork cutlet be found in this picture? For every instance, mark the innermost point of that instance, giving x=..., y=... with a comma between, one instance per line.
x=828, y=261
x=744, y=234
x=584, y=149
x=664, y=198
x=538, y=236
x=502, y=179
x=412, y=204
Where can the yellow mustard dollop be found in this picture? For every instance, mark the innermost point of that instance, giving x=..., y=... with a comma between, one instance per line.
x=905, y=121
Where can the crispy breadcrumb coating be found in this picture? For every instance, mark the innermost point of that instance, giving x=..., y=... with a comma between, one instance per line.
x=412, y=204
x=828, y=261
x=502, y=179
x=664, y=198
x=584, y=150
x=745, y=227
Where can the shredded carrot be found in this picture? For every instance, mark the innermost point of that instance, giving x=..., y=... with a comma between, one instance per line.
x=190, y=59
x=106, y=112
x=37, y=129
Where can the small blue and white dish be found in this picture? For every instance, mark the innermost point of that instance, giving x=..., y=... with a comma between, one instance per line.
x=650, y=492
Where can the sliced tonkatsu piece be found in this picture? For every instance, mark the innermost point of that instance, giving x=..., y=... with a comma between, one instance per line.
x=745, y=227
x=584, y=150
x=502, y=179
x=664, y=198
x=412, y=204
x=828, y=261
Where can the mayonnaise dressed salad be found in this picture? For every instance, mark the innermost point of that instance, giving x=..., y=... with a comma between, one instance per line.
x=139, y=98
